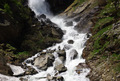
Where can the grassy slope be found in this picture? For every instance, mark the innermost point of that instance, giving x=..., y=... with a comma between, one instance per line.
x=103, y=48
x=104, y=52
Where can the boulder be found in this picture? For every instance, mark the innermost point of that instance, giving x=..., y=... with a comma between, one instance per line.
x=62, y=58
x=54, y=78
x=60, y=68
x=67, y=46
x=73, y=54
x=70, y=23
x=58, y=78
x=30, y=71
x=23, y=79
x=80, y=67
x=61, y=53
x=70, y=41
x=4, y=69
x=43, y=16
x=44, y=61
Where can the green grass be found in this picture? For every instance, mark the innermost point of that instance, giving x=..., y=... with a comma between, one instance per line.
x=103, y=21
x=22, y=54
x=74, y=5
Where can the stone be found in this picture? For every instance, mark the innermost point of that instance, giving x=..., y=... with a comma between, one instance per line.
x=61, y=53
x=4, y=69
x=60, y=68
x=62, y=58
x=23, y=79
x=88, y=35
x=80, y=67
x=44, y=61
x=58, y=78
x=43, y=16
x=73, y=54
x=67, y=46
x=49, y=77
x=70, y=23
x=30, y=71
x=70, y=41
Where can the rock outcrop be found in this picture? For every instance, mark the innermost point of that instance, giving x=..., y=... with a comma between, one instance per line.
x=44, y=61
x=58, y=6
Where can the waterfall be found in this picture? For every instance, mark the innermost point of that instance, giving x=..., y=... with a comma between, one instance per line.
x=41, y=7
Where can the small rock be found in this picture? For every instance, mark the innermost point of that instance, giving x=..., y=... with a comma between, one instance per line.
x=23, y=79
x=60, y=68
x=80, y=67
x=73, y=54
x=59, y=78
x=49, y=77
x=88, y=35
x=62, y=53
x=67, y=47
x=70, y=23
x=62, y=58
x=41, y=16
x=30, y=71
x=70, y=41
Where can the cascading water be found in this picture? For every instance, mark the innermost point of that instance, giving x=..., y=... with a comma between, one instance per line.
x=41, y=7
x=71, y=34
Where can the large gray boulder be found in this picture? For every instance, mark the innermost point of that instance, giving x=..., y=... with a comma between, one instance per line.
x=44, y=61
x=60, y=68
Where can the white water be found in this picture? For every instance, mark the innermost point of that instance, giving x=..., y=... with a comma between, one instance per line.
x=40, y=7
x=71, y=34
x=17, y=70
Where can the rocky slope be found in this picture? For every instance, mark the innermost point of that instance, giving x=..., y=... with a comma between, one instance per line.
x=98, y=17
x=58, y=6
x=21, y=34
x=101, y=19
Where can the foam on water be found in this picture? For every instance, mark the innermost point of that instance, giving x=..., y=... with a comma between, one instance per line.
x=41, y=7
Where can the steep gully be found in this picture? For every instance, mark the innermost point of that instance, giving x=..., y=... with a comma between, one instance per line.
x=70, y=49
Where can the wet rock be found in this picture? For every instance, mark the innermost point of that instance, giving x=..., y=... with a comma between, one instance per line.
x=70, y=23
x=30, y=71
x=70, y=41
x=4, y=69
x=62, y=58
x=54, y=78
x=67, y=46
x=58, y=78
x=73, y=54
x=29, y=61
x=62, y=53
x=80, y=67
x=88, y=35
x=55, y=33
x=49, y=77
x=23, y=79
x=44, y=61
x=85, y=21
x=43, y=16
x=49, y=21
x=60, y=68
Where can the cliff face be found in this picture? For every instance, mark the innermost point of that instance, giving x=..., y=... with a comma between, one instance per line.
x=102, y=51
x=58, y=6
x=21, y=34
